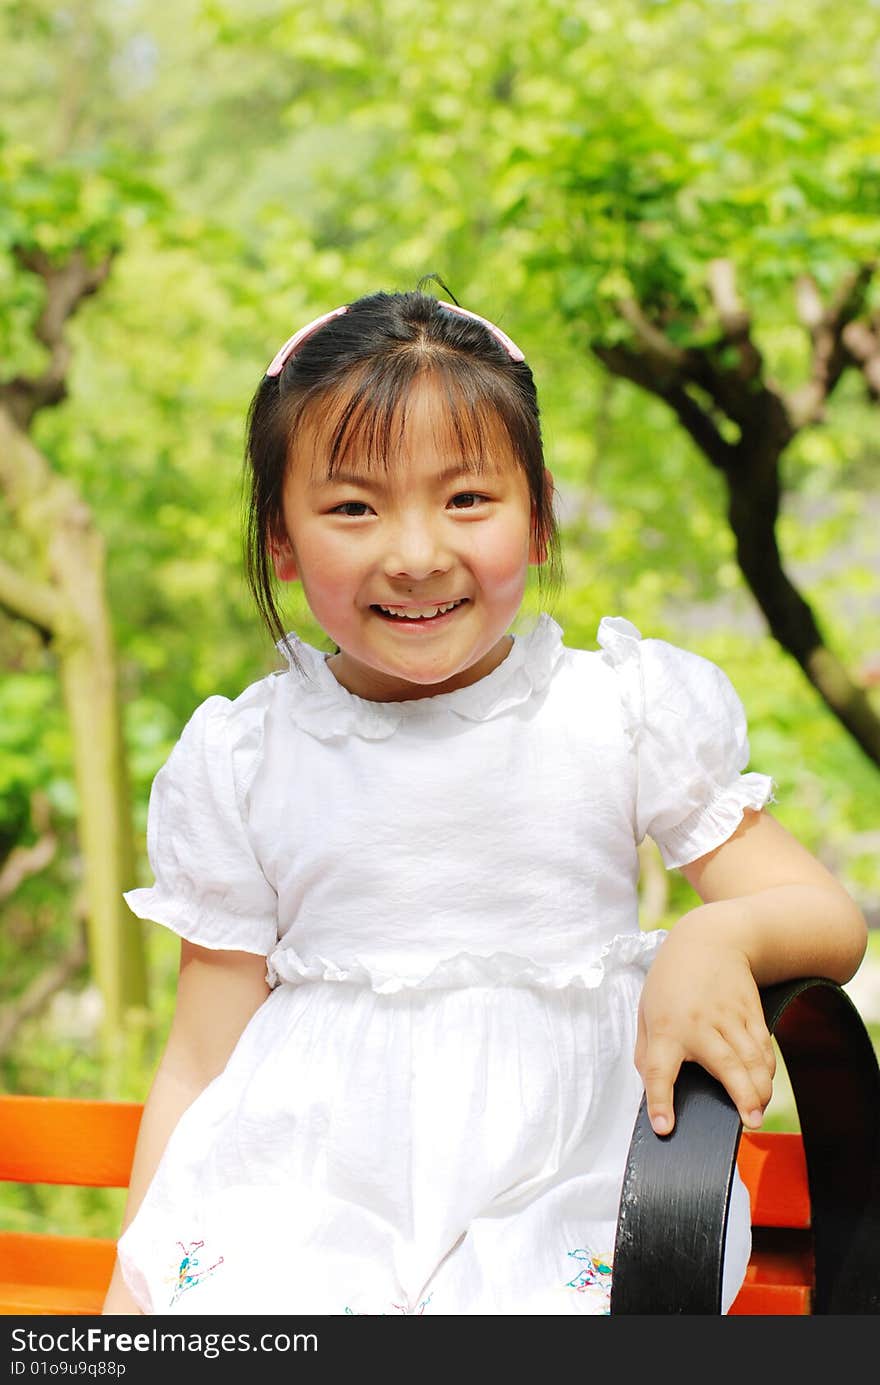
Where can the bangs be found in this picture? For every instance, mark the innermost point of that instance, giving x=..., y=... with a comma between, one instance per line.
x=360, y=424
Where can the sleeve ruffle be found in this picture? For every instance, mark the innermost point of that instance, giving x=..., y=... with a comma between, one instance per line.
x=688, y=730
x=209, y=886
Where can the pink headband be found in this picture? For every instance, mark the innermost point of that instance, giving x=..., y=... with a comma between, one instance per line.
x=510, y=347
x=292, y=345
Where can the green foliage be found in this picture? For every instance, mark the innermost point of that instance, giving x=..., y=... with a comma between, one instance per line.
x=81, y=204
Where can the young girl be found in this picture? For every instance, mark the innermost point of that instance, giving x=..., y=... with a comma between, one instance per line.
x=416, y=1014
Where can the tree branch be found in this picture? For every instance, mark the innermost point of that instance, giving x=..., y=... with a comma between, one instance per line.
x=666, y=377
x=35, y=494
x=863, y=345
x=828, y=328
x=13, y=1014
x=736, y=322
x=766, y=423
x=66, y=285
x=654, y=342
x=698, y=424
x=24, y=861
x=655, y=363
x=29, y=600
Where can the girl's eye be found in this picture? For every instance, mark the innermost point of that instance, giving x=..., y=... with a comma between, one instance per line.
x=467, y=495
x=348, y=505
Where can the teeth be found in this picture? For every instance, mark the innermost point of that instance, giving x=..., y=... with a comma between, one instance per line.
x=423, y=613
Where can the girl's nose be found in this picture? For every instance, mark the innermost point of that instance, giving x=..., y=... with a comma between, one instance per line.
x=415, y=550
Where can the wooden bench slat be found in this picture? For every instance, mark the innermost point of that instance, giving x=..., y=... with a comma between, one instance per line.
x=774, y=1170
x=54, y=1274
x=780, y=1275
x=29, y=1300
x=59, y=1140
x=37, y=1258
x=776, y=1300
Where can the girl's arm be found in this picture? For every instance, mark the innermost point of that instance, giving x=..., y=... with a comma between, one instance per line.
x=217, y=994
x=771, y=912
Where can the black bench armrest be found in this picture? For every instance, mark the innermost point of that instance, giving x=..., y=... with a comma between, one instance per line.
x=676, y=1189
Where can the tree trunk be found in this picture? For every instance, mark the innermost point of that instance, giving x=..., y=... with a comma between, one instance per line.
x=752, y=513
x=70, y=606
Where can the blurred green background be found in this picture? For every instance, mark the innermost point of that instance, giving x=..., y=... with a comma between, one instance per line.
x=225, y=172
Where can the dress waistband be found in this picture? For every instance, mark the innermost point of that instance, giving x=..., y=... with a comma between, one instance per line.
x=466, y=969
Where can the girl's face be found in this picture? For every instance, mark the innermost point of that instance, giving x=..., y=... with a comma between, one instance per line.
x=430, y=531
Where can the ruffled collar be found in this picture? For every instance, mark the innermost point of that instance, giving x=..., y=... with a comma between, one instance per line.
x=323, y=707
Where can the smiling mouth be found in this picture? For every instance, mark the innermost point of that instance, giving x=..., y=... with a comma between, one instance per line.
x=422, y=615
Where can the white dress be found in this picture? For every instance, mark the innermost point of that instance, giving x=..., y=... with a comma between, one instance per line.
x=431, y=1111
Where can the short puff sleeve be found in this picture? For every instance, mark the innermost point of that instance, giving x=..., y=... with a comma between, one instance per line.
x=688, y=729
x=209, y=886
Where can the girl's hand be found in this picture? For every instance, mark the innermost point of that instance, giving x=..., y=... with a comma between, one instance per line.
x=700, y=1003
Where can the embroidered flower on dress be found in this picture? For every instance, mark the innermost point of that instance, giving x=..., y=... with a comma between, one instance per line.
x=399, y=1307
x=188, y=1274
x=593, y=1278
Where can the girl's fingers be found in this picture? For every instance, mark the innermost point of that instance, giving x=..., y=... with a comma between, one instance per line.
x=760, y=1034
x=739, y=1062
x=658, y=1063
x=757, y=1057
x=745, y=1079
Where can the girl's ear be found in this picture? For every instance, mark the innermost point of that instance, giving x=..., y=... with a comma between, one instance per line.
x=537, y=546
x=283, y=560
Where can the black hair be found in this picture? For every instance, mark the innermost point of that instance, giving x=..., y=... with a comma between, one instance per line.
x=355, y=374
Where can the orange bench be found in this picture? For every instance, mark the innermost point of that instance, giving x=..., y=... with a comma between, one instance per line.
x=75, y=1142
x=90, y=1143
x=815, y=1199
